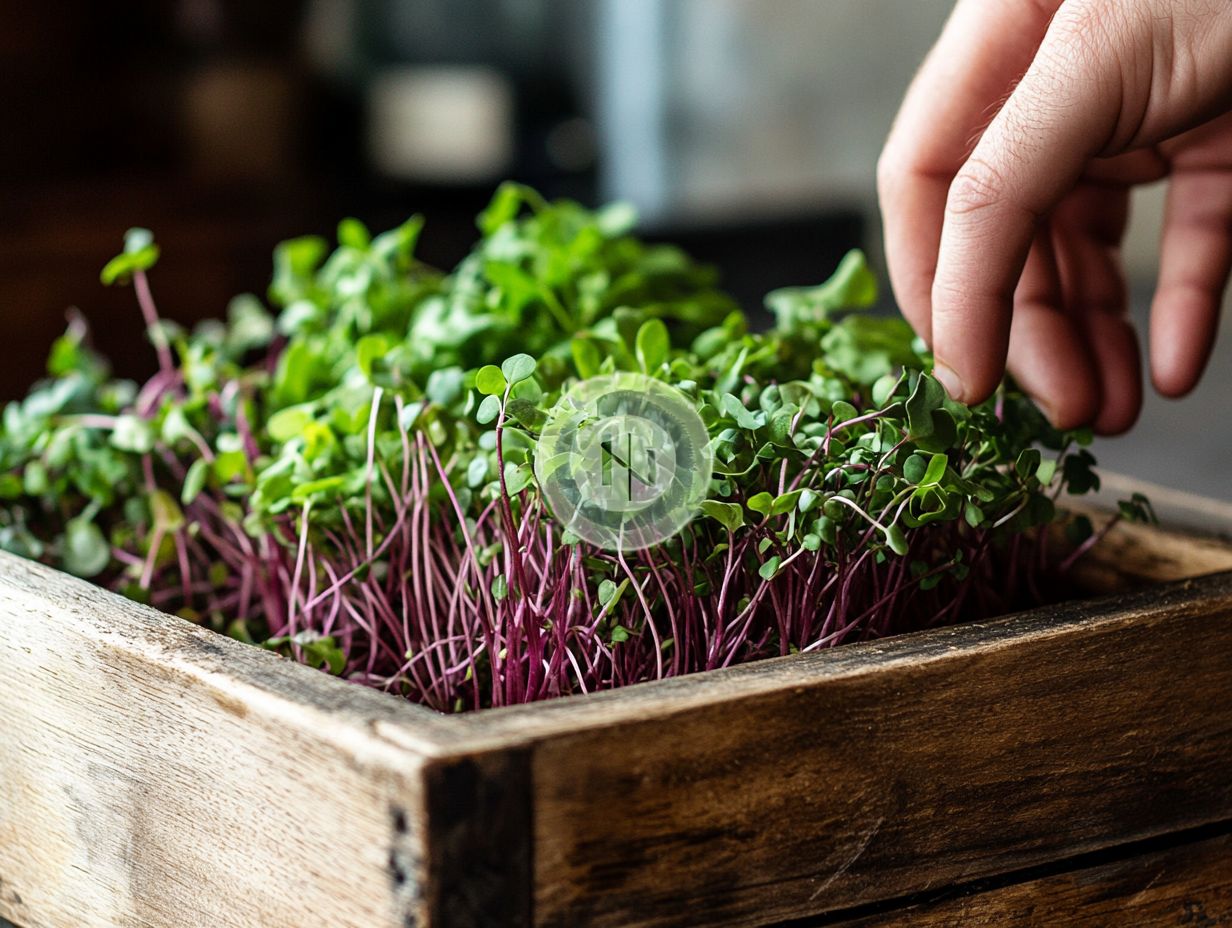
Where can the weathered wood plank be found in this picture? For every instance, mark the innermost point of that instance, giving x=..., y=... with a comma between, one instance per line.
x=1188, y=885
x=154, y=774
x=1133, y=556
x=819, y=782
x=480, y=832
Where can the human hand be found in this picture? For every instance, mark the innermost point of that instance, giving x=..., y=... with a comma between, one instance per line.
x=1022, y=217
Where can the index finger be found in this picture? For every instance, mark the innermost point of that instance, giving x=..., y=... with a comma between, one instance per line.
x=985, y=46
x=1034, y=151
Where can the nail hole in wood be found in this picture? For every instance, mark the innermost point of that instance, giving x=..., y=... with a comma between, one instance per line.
x=396, y=869
x=400, y=825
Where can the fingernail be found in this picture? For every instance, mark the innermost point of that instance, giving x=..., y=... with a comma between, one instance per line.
x=952, y=382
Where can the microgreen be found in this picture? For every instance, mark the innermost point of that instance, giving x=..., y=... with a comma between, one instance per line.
x=346, y=478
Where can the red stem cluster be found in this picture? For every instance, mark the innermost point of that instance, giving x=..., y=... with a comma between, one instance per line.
x=419, y=611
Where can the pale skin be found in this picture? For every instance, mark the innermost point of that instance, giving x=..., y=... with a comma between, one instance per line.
x=1004, y=188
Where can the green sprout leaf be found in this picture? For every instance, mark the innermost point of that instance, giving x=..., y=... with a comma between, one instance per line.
x=762, y=503
x=194, y=480
x=132, y=433
x=488, y=410
x=935, y=472
x=852, y=286
x=514, y=370
x=490, y=380
x=1028, y=463
x=729, y=515
x=289, y=423
x=140, y=254
x=320, y=651
x=652, y=345
x=368, y=350
x=354, y=234
x=500, y=588
x=166, y=512
x=896, y=539
x=86, y=552
x=586, y=357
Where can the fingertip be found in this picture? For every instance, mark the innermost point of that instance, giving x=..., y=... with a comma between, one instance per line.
x=970, y=387
x=1117, y=420
x=1070, y=410
x=1048, y=351
x=1052, y=364
x=1194, y=264
x=1172, y=384
x=970, y=338
x=1183, y=326
x=1116, y=345
x=980, y=259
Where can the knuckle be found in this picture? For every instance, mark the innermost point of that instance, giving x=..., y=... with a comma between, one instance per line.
x=978, y=185
x=1082, y=35
x=948, y=307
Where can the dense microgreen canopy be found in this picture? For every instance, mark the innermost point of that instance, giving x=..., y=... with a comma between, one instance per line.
x=348, y=480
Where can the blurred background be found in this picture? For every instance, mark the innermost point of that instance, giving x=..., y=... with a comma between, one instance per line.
x=747, y=130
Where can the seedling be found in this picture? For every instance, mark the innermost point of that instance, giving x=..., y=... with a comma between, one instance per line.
x=351, y=481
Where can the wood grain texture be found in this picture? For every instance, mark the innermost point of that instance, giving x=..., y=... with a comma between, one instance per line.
x=479, y=832
x=819, y=782
x=1134, y=556
x=156, y=774
x=1189, y=885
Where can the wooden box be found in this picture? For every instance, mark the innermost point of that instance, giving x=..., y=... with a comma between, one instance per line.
x=1070, y=765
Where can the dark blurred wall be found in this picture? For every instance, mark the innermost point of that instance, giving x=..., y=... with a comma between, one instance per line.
x=199, y=120
x=228, y=125
x=98, y=102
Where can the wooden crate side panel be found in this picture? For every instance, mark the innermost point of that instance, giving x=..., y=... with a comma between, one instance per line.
x=1133, y=556
x=991, y=749
x=480, y=831
x=1189, y=885
x=156, y=775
